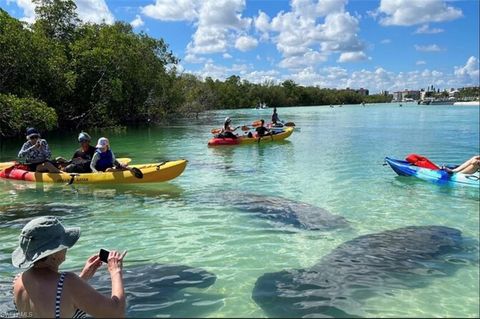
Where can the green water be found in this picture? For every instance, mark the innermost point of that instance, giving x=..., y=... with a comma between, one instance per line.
x=333, y=162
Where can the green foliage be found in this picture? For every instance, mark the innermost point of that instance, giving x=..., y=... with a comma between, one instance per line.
x=19, y=113
x=56, y=18
x=469, y=93
x=378, y=98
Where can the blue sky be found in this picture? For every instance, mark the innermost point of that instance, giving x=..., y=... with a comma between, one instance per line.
x=375, y=44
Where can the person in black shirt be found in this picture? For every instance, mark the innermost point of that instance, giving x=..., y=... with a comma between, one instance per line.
x=262, y=130
x=275, y=118
x=80, y=162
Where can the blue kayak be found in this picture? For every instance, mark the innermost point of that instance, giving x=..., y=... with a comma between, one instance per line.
x=404, y=168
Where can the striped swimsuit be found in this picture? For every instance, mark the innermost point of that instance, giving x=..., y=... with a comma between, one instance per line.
x=78, y=313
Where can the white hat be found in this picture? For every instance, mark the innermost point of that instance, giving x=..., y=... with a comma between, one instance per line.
x=102, y=141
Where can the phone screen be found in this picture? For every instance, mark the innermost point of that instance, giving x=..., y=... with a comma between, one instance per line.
x=103, y=254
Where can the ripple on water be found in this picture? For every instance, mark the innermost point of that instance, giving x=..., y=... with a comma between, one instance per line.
x=333, y=162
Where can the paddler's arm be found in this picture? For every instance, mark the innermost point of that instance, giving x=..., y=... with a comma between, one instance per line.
x=117, y=163
x=93, y=163
x=26, y=148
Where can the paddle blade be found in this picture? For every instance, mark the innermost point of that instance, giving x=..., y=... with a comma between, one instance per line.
x=136, y=172
x=257, y=123
x=290, y=124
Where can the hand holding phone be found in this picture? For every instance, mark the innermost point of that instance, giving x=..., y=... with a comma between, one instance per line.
x=103, y=254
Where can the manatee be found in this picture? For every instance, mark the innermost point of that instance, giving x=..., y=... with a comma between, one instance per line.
x=155, y=289
x=279, y=209
x=20, y=214
x=374, y=264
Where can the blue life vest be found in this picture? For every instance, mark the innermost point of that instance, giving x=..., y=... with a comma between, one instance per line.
x=105, y=161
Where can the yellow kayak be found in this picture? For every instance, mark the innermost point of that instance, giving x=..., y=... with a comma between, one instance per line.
x=152, y=173
x=216, y=141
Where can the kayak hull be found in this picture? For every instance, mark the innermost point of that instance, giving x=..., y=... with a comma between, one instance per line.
x=251, y=140
x=404, y=168
x=152, y=173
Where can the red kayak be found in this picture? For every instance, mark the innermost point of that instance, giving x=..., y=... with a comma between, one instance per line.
x=224, y=141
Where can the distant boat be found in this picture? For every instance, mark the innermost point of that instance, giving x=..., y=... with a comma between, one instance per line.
x=467, y=103
x=261, y=106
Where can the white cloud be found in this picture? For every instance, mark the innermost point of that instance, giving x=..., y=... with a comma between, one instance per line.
x=172, y=10
x=353, y=57
x=470, y=71
x=227, y=56
x=137, y=22
x=218, y=22
x=410, y=12
x=262, y=22
x=95, y=11
x=425, y=29
x=420, y=62
x=386, y=41
x=28, y=8
x=311, y=31
x=245, y=43
x=427, y=48
x=310, y=58
x=192, y=58
x=375, y=80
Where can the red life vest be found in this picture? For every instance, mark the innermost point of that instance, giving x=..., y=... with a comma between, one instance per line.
x=421, y=161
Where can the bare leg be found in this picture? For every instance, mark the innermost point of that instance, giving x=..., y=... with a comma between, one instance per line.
x=469, y=167
x=47, y=167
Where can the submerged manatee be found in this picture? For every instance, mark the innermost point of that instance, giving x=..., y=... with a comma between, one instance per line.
x=286, y=211
x=360, y=268
x=156, y=289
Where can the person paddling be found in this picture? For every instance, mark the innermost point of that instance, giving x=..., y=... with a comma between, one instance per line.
x=227, y=130
x=82, y=157
x=37, y=154
x=262, y=130
x=104, y=160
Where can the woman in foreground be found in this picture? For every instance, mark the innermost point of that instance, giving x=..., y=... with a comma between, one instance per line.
x=44, y=291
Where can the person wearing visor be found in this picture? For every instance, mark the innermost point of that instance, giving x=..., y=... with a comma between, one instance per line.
x=43, y=291
x=82, y=157
x=36, y=153
x=227, y=130
x=104, y=160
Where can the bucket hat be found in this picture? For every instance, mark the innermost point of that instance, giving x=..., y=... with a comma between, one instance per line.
x=31, y=131
x=42, y=237
x=84, y=137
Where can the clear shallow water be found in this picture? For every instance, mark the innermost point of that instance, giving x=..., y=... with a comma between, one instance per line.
x=333, y=162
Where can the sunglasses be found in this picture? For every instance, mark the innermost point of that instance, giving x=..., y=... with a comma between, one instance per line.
x=34, y=137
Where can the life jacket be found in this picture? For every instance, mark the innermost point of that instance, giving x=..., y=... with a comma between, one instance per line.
x=421, y=161
x=105, y=161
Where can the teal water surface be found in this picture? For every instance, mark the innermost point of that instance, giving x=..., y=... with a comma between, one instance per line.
x=333, y=162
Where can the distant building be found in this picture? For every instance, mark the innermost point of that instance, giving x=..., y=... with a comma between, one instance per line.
x=453, y=93
x=406, y=95
x=360, y=91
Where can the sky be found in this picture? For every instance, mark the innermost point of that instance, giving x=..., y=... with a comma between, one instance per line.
x=375, y=44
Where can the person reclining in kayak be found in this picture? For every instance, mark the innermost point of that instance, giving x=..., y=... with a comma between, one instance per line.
x=82, y=157
x=104, y=160
x=469, y=167
x=262, y=130
x=37, y=154
x=227, y=130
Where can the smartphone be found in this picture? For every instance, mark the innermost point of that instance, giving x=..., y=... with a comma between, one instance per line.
x=103, y=254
